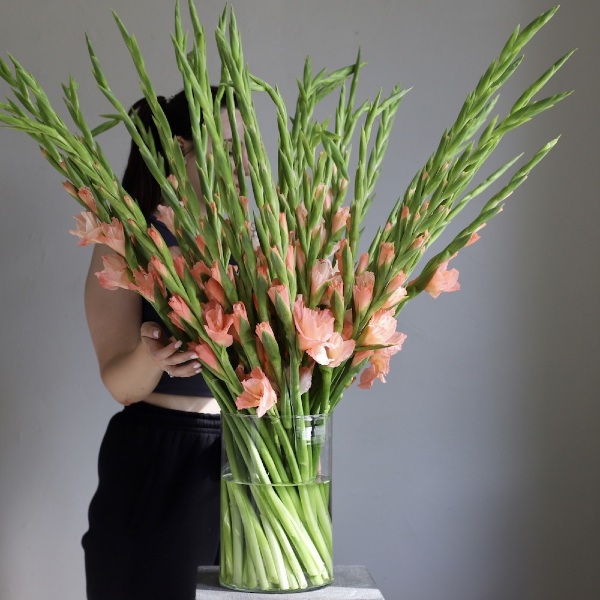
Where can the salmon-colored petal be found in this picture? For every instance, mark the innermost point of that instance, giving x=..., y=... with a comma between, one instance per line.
x=217, y=323
x=166, y=215
x=314, y=326
x=362, y=292
x=88, y=228
x=258, y=393
x=339, y=350
x=115, y=273
x=340, y=219
x=206, y=355
x=215, y=292
x=114, y=236
x=443, y=281
x=85, y=194
x=379, y=329
x=386, y=253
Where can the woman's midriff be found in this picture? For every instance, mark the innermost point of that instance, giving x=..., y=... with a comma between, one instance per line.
x=198, y=404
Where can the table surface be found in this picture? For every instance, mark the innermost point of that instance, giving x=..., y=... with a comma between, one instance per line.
x=349, y=583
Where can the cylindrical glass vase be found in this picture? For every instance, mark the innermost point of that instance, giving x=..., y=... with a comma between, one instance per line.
x=276, y=533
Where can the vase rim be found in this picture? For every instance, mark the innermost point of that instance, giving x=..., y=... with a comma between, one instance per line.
x=271, y=417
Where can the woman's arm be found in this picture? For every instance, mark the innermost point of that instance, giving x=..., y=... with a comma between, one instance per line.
x=132, y=355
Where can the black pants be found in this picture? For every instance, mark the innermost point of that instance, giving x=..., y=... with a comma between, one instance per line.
x=155, y=515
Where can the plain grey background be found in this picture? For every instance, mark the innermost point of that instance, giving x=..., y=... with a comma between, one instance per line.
x=474, y=473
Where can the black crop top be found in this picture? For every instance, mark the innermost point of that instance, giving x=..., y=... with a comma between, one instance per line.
x=179, y=386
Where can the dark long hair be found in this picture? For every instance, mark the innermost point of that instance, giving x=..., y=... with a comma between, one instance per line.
x=137, y=178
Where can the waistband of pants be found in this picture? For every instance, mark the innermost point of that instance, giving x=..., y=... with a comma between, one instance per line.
x=144, y=412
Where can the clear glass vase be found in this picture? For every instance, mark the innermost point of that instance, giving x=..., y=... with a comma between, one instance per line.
x=276, y=533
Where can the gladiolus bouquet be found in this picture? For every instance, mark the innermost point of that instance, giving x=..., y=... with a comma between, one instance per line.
x=283, y=321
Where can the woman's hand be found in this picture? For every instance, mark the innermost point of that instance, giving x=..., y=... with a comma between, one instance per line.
x=165, y=352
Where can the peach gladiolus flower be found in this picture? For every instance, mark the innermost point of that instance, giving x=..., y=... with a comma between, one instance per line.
x=258, y=393
x=338, y=350
x=379, y=329
x=380, y=361
x=180, y=311
x=360, y=356
x=166, y=215
x=443, y=281
x=320, y=273
x=113, y=236
x=89, y=228
x=217, y=323
x=145, y=283
x=114, y=275
x=206, y=355
x=314, y=328
x=362, y=291
x=215, y=292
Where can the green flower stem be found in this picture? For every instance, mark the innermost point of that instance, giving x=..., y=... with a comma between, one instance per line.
x=280, y=564
x=252, y=534
x=229, y=535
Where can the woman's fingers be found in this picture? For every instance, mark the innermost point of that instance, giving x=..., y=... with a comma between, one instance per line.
x=167, y=354
x=188, y=369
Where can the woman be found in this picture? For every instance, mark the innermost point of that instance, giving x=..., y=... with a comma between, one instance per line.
x=155, y=515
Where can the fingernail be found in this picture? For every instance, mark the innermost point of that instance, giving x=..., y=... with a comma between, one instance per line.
x=197, y=366
x=177, y=345
x=156, y=333
x=193, y=356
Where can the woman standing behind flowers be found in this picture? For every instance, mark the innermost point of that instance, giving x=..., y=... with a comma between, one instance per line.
x=155, y=515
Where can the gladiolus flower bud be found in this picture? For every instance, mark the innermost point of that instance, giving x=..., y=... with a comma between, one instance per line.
x=363, y=263
x=85, y=194
x=386, y=254
x=70, y=189
x=340, y=219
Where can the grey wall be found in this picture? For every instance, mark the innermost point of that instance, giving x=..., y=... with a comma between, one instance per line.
x=474, y=473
